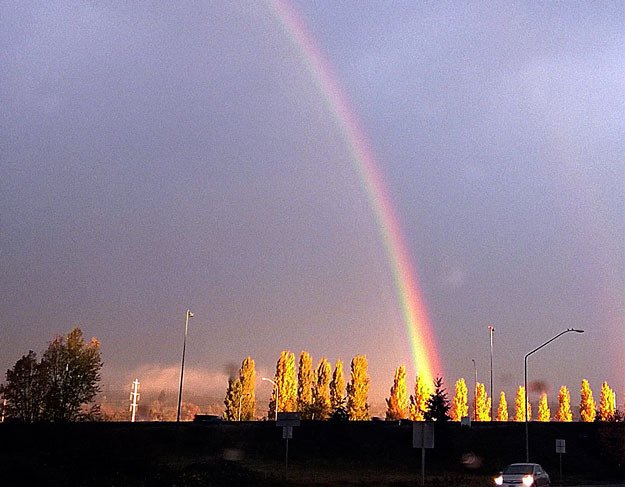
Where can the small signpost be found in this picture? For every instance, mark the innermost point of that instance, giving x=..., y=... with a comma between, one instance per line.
x=423, y=437
x=287, y=421
x=560, y=449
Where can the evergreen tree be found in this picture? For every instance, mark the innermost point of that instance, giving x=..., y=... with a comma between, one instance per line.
x=397, y=402
x=247, y=378
x=438, y=403
x=337, y=387
x=460, y=403
x=24, y=390
x=564, y=413
x=232, y=399
x=587, y=403
x=321, y=407
x=519, y=407
x=419, y=401
x=286, y=379
x=306, y=382
x=481, y=404
x=502, y=410
x=358, y=390
x=607, y=407
x=544, y=414
x=70, y=370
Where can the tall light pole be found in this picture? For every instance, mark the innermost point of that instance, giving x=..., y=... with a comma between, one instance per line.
x=184, y=347
x=474, y=387
x=491, y=329
x=527, y=443
x=277, y=394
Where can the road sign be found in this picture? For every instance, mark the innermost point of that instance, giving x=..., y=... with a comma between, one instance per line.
x=423, y=435
x=560, y=446
x=288, y=419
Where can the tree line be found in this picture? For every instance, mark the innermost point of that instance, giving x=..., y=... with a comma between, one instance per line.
x=398, y=407
x=60, y=387
x=319, y=393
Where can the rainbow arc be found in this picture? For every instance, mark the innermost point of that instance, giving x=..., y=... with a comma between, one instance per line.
x=420, y=335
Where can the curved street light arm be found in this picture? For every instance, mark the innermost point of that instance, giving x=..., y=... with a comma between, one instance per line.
x=527, y=448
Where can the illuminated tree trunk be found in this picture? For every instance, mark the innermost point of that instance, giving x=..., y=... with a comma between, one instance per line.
x=519, y=407
x=358, y=389
x=607, y=407
x=418, y=401
x=481, y=404
x=587, y=403
x=337, y=387
x=460, y=402
x=544, y=414
x=502, y=410
x=306, y=383
x=564, y=413
x=397, y=402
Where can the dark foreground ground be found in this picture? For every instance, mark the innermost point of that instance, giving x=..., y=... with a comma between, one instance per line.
x=320, y=453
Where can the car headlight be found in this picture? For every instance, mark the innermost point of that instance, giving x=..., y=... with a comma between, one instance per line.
x=499, y=480
x=528, y=480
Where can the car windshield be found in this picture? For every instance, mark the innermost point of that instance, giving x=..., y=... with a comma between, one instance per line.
x=518, y=469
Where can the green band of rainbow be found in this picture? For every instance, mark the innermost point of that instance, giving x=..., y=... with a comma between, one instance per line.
x=422, y=343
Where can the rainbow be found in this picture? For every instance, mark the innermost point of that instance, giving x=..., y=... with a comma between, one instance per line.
x=422, y=342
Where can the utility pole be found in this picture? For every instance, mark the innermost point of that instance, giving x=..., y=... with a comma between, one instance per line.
x=474, y=389
x=184, y=348
x=134, y=398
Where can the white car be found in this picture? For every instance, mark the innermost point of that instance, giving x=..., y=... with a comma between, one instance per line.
x=523, y=475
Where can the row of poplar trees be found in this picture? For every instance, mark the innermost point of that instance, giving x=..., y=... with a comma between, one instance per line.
x=316, y=392
x=416, y=408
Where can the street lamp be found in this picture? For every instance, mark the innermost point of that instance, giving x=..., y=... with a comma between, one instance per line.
x=491, y=329
x=277, y=394
x=474, y=387
x=527, y=447
x=184, y=347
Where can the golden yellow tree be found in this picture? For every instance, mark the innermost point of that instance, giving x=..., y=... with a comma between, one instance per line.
x=397, y=402
x=247, y=377
x=418, y=401
x=358, y=390
x=481, y=404
x=502, y=410
x=286, y=379
x=233, y=396
x=337, y=387
x=320, y=408
x=519, y=406
x=460, y=402
x=607, y=406
x=564, y=412
x=305, y=385
x=587, y=403
x=240, y=398
x=544, y=413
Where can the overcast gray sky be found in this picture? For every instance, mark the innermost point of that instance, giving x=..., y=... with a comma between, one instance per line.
x=155, y=157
